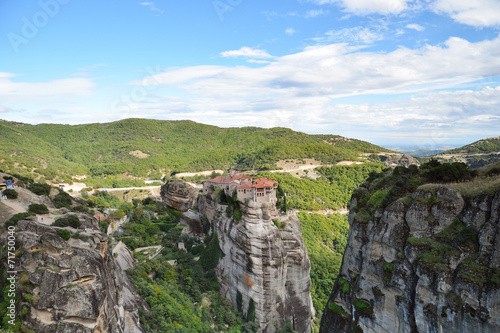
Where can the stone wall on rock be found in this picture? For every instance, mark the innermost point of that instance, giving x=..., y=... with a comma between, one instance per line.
x=426, y=263
x=74, y=285
x=262, y=264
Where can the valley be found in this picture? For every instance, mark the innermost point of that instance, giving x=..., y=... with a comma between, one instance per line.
x=221, y=263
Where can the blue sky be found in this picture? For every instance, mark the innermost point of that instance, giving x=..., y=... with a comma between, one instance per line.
x=423, y=73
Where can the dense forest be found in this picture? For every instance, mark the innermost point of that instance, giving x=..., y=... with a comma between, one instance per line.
x=152, y=148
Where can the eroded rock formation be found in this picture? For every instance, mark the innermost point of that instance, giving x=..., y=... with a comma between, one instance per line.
x=262, y=264
x=178, y=194
x=428, y=262
x=392, y=160
x=75, y=285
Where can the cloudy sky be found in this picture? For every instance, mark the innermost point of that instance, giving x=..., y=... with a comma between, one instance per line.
x=392, y=72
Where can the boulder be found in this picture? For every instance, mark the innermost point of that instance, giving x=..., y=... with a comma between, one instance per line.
x=178, y=194
x=73, y=286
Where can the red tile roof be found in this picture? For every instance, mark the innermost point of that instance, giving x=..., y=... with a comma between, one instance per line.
x=221, y=180
x=246, y=181
x=259, y=183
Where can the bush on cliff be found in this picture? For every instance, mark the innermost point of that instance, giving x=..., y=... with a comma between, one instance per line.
x=62, y=199
x=38, y=209
x=69, y=221
x=10, y=193
x=16, y=218
x=210, y=257
x=64, y=234
x=40, y=189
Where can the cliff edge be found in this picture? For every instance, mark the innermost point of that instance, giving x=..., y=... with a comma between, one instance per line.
x=426, y=260
x=72, y=285
x=264, y=267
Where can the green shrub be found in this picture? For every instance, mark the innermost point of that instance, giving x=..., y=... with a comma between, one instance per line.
x=38, y=209
x=345, y=285
x=40, y=189
x=10, y=193
x=103, y=225
x=69, y=221
x=62, y=199
x=363, y=307
x=449, y=172
x=64, y=234
x=388, y=267
x=210, y=257
x=237, y=215
x=362, y=216
x=239, y=301
x=16, y=218
x=251, y=311
x=337, y=309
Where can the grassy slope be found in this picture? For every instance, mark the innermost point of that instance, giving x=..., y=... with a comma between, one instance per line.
x=485, y=146
x=171, y=146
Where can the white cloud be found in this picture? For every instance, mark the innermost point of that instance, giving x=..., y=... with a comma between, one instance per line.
x=415, y=26
x=302, y=91
x=356, y=35
x=16, y=91
x=290, y=31
x=315, y=12
x=181, y=75
x=363, y=7
x=152, y=7
x=339, y=70
x=478, y=13
x=246, y=52
x=254, y=61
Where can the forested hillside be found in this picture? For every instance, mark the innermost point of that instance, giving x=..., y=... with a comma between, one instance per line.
x=485, y=146
x=475, y=155
x=142, y=147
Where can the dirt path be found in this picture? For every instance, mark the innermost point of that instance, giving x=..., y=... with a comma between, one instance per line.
x=16, y=207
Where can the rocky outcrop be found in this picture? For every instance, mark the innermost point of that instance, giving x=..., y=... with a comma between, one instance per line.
x=124, y=257
x=178, y=194
x=74, y=285
x=393, y=160
x=428, y=262
x=263, y=267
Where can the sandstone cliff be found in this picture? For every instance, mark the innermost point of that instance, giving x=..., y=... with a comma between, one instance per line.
x=428, y=262
x=74, y=285
x=264, y=267
x=178, y=194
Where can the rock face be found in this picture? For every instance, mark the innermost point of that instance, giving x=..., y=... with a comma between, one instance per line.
x=426, y=263
x=393, y=160
x=75, y=285
x=178, y=194
x=262, y=264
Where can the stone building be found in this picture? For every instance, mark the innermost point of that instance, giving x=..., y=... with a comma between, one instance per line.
x=259, y=189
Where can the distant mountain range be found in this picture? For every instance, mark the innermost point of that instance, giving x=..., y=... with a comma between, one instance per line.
x=150, y=148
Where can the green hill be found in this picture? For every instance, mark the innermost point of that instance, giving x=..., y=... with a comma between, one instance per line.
x=143, y=147
x=485, y=146
x=475, y=155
